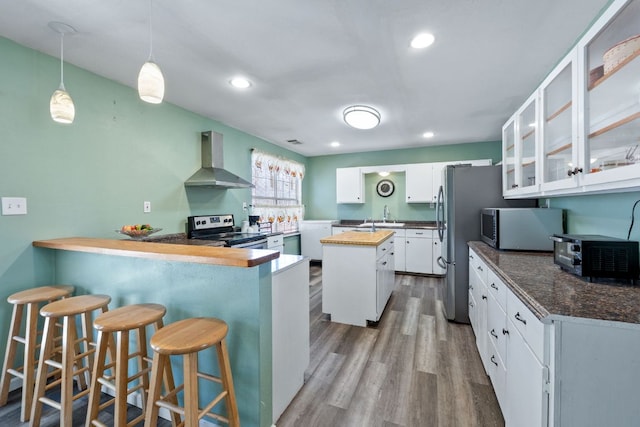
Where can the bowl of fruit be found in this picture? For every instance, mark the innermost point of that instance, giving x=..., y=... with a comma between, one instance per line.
x=138, y=231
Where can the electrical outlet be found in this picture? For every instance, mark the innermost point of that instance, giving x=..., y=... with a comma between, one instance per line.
x=14, y=206
x=244, y=206
x=146, y=207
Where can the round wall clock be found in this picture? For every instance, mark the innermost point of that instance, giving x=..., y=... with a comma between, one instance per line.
x=385, y=188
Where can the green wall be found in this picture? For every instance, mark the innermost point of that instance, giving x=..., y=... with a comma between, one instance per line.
x=320, y=190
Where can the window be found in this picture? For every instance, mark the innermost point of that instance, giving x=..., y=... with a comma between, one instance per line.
x=277, y=195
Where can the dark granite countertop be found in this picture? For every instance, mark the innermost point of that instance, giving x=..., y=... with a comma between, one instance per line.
x=550, y=292
x=407, y=223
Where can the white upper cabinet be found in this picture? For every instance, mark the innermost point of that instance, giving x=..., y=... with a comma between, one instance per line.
x=586, y=126
x=419, y=183
x=349, y=185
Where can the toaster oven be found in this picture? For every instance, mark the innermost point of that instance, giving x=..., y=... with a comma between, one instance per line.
x=591, y=256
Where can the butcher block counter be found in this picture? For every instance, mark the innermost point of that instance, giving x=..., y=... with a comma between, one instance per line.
x=231, y=284
x=162, y=251
x=359, y=238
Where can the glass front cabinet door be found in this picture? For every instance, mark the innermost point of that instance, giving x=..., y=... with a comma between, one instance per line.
x=611, y=82
x=519, y=151
x=558, y=126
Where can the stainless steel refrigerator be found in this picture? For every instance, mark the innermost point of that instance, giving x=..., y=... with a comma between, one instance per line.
x=464, y=192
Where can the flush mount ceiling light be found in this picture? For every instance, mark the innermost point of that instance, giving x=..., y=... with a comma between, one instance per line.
x=240, y=83
x=61, y=105
x=422, y=40
x=361, y=117
x=428, y=134
x=335, y=144
x=150, y=78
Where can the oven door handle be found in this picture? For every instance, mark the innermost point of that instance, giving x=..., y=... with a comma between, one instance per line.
x=251, y=244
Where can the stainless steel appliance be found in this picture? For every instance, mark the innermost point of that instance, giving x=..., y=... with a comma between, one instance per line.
x=590, y=255
x=221, y=228
x=465, y=191
x=524, y=229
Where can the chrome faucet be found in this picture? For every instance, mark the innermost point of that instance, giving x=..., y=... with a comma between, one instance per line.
x=385, y=213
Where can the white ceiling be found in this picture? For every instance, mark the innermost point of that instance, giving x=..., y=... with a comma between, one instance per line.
x=309, y=59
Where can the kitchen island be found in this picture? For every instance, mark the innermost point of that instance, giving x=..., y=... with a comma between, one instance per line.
x=234, y=285
x=357, y=275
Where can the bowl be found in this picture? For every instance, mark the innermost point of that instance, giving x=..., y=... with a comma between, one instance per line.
x=620, y=52
x=139, y=234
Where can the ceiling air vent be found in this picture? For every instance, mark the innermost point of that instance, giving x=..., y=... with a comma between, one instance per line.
x=294, y=141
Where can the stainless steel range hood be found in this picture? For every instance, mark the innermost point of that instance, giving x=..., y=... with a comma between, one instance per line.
x=212, y=173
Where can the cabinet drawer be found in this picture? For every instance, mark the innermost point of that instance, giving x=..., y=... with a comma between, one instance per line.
x=527, y=324
x=277, y=240
x=497, y=328
x=477, y=265
x=419, y=232
x=497, y=288
x=385, y=248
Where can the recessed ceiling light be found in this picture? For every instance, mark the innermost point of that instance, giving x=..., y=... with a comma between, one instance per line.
x=335, y=144
x=383, y=173
x=361, y=117
x=240, y=82
x=428, y=134
x=422, y=40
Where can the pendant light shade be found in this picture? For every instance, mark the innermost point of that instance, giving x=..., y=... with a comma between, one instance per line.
x=150, y=78
x=61, y=105
x=151, y=83
x=361, y=117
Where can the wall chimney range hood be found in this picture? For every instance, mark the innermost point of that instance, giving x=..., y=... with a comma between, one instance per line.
x=212, y=173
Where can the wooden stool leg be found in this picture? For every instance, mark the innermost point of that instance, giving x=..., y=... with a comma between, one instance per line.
x=191, y=400
x=227, y=383
x=143, y=365
x=169, y=384
x=98, y=371
x=31, y=333
x=69, y=337
x=122, y=373
x=10, y=352
x=41, y=375
x=158, y=366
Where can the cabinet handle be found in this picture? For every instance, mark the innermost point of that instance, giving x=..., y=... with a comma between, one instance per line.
x=435, y=243
x=384, y=263
x=470, y=304
x=471, y=256
x=493, y=285
x=384, y=249
x=480, y=268
x=471, y=287
x=575, y=171
x=493, y=360
x=505, y=332
x=518, y=317
x=493, y=333
x=484, y=297
x=514, y=185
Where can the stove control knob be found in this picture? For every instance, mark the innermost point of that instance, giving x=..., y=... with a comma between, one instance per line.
x=575, y=248
x=576, y=261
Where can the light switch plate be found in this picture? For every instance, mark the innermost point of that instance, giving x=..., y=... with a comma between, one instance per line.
x=14, y=206
x=146, y=207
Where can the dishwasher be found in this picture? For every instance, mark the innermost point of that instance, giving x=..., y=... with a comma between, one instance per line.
x=311, y=231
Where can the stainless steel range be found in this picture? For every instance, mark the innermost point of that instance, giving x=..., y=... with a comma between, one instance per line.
x=221, y=228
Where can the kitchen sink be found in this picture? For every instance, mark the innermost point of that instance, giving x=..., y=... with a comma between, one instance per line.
x=383, y=224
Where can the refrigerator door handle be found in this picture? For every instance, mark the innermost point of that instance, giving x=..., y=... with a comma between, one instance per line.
x=440, y=213
x=442, y=263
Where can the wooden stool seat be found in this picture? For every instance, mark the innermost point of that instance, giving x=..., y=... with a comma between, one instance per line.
x=31, y=299
x=187, y=338
x=77, y=354
x=189, y=335
x=121, y=322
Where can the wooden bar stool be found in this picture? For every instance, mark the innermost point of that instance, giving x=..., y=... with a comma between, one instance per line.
x=31, y=299
x=121, y=322
x=77, y=353
x=188, y=337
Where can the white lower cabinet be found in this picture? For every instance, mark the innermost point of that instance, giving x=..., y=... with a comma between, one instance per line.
x=510, y=340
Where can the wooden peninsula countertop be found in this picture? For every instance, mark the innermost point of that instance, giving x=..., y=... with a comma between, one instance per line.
x=232, y=257
x=358, y=238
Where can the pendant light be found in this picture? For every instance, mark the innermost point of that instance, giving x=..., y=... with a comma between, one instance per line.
x=150, y=78
x=61, y=105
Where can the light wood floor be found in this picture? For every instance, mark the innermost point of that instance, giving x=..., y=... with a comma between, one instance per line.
x=413, y=368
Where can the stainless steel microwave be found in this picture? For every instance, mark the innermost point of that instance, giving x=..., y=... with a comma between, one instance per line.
x=523, y=229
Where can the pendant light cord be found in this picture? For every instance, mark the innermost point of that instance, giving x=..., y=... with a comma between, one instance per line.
x=151, y=30
x=632, y=218
x=62, y=60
